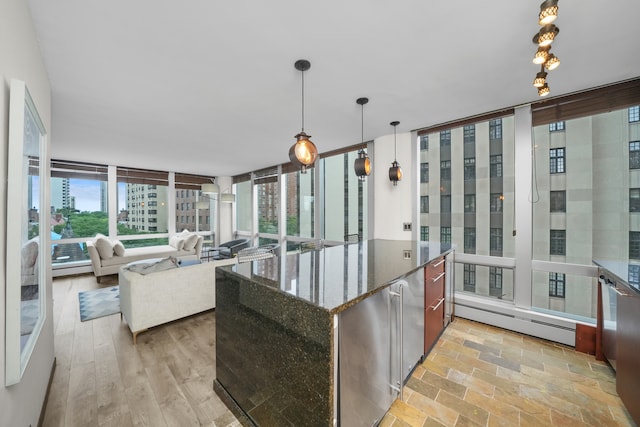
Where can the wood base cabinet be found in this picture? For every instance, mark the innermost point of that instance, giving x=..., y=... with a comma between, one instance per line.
x=434, y=302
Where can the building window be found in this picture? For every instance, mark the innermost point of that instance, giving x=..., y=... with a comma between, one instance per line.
x=495, y=282
x=556, y=285
x=445, y=234
x=445, y=138
x=634, y=114
x=445, y=170
x=469, y=203
x=469, y=240
x=634, y=155
x=634, y=274
x=469, y=279
x=634, y=244
x=556, y=160
x=445, y=204
x=556, y=127
x=495, y=202
x=558, y=201
x=495, y=129
x=424, y=233
x=495, y=166
x=557, y=242
x=634, y=200
x=495, y=241
x=424, y=172
x=470, y=168
x=424, y=204
x=469, y=133
x=424, y=142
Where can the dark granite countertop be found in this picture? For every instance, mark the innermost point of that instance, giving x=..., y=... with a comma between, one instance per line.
x=621, y=270
x=334, y=278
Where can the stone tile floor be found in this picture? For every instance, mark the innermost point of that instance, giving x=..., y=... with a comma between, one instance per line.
x=480, y=375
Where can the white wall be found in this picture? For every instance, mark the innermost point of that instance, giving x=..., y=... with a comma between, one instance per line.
x=393, y=205
x=20, y=58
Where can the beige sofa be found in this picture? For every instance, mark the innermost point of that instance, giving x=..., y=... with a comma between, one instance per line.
x=148, y=300
x=105, y=262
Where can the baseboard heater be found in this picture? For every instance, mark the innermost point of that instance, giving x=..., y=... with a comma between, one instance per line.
x=516, y=322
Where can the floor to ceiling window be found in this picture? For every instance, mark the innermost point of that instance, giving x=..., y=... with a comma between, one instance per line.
x=79, y=208
x=472, y=198
x=583, y=201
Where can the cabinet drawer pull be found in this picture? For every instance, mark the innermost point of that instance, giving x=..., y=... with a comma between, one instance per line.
x=438, y=263
x=438, y=305
x=438, y=277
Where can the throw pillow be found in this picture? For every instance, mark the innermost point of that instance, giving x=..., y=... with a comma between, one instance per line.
x=104, y=247
x=118, y=248
x=177, y=242
x=190, y=242
x=29, y=253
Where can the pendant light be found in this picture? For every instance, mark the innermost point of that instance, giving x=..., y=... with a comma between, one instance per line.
x=362, y=165
x=304, y=152
x=395, y=172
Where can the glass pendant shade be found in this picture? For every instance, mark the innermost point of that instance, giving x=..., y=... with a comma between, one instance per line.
x=202, y=204
x=303, y=152
x=552, y=62
x=544, y=90
x=548, y=12
x=362, y=165
x=395, y=173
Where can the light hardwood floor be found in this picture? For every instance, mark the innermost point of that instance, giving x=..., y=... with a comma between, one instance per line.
x=102, y=379
x=476, y=375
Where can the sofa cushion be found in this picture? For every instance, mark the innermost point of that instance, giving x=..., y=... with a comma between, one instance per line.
x=190, y=241
x=118, y=248
x=177, y=242
x=104, y=247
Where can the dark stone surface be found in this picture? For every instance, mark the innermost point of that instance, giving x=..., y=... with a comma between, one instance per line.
x=274, y=324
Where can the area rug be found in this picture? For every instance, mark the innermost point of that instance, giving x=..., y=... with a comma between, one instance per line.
x=99, y=302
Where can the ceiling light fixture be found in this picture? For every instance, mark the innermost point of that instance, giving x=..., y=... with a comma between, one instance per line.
x=541, y=55
x=552, y=62
x=544, y=90
x=395, y=172
x=362, y=165
x=541, y=78
x=304, y=152
x=543, y=39
x=548, y=12
x=546, y=35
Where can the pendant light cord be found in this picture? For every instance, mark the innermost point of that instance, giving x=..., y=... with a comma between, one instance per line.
x=302, y=71
x=395, y=153
x=362, y=124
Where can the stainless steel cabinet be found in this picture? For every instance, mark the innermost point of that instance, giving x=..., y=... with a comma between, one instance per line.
x=368, y=337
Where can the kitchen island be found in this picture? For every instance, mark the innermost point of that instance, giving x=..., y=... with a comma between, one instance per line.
x=316, y=338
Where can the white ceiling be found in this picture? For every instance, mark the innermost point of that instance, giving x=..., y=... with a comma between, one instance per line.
x=207, y=86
